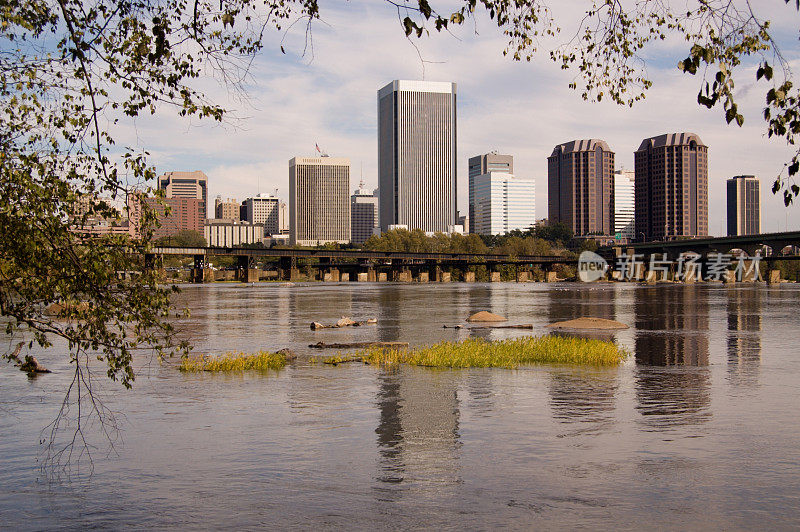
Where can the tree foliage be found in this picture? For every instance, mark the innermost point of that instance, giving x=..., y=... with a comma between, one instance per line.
x=514, y=243
x=723, y=38
x=73, y=74
x=184, y=239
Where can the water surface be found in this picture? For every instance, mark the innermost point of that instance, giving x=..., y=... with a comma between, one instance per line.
x=699, y=429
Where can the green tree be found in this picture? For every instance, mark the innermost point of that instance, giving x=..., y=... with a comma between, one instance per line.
x=607, y=52
x=185, y=239
x=558, y=234
x=73, y=73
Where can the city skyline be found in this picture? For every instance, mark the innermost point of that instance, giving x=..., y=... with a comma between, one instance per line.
x=517, y=108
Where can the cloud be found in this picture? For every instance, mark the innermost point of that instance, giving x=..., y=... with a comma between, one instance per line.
x=519, y=108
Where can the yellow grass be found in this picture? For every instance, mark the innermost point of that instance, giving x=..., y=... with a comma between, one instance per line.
x=234, y=362
x=511, y=353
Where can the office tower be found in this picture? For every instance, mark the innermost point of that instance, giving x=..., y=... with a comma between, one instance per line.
x=184, y=215
x=319, y=200
x=480, y=165
x=580, y=186
x=263, y=209
x=186, y=185
x=671, y=187
x=744, y=205
x=417, y=155
x=503, y=203
x=228, y=233
x=363, y=215
x=624, y=204
x=226, y=209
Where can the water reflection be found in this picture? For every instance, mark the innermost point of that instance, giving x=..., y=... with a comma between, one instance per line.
x=586, y=396
x=418, y=430
x=671, y=325
x=744, y=335
x=594, y=301
x=672, y=332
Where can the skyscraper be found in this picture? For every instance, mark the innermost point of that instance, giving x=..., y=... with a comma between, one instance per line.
x=502, y=203
x=263, y=209
x=186, y=185
x=624, y=204
x=744, y=205
x=363, y=214
x=580, y=187
x=483, y=164
x=671, y=187
x=226, y=209
x=417, y=154
x=319, y=200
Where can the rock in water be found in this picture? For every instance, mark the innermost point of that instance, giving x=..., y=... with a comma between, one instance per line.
x=588, y=323
x=316, y=325
x=345, y=322
x=484, y=316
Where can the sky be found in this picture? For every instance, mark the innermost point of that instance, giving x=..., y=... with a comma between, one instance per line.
x=293, y=101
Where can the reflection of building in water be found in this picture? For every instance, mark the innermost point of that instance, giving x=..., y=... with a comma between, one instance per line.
x=672, y=330
x=744, y=335
x=673, y=397
x=418, y=437
x=583, y=396
x=671, y=325
x=596, y=301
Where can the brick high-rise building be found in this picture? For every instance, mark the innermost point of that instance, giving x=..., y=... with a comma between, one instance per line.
x=319, y=200
x=184, y=215
x=580, y=186
x=186, y=185
x=226, y=209
x=417, y=155
x=744, y=205
x=671, y=187
x=480, y=165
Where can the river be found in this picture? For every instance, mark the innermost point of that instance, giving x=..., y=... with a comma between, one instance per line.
x=698, y=429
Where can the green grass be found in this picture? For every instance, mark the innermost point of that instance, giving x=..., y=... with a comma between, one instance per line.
x=511, y=353
x=234, y=362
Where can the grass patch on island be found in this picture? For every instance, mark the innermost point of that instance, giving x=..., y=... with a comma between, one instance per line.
x=480, y=353
x=234, y=362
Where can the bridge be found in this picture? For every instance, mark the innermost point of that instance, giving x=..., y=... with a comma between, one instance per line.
x=750, y=244
x=340, y=264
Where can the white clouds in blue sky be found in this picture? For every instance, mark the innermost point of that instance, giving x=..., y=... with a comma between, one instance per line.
x=523, y=109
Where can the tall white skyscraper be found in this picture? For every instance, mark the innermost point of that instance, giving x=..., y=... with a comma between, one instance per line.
x=479, y=165
x=417, y=154
x=503, y=203
x=624, y=204
x=319, y=200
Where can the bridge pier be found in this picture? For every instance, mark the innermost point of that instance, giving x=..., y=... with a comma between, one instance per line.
x=403, y=275
x=469, y=277
x=200, y=272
